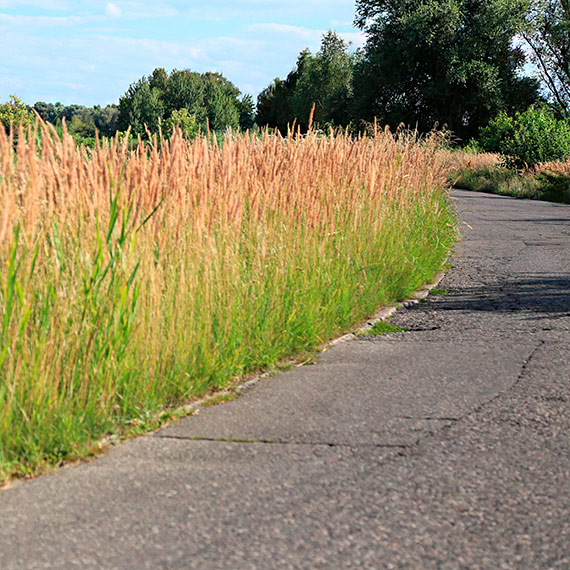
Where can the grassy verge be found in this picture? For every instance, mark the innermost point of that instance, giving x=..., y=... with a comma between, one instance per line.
x=550, y=182
x=133, y=279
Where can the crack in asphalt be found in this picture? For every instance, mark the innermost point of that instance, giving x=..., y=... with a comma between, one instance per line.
x=283, y=442
x=403, y=447
x=527, y=362
x=432, y=418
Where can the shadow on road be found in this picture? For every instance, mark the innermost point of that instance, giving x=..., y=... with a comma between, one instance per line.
x=546, y=294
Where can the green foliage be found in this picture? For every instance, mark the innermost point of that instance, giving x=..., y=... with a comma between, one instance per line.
x=246, y=108
x=182, y=119
x=446, y=62
x=48, y=111
x=499, y=129
x=141, y=108
x=323, y=80
x=221, y=102
x=274, y=103
x=106, y=119
x=210, y=98
x=15, y=112
x=528, y=138
x=82, y=122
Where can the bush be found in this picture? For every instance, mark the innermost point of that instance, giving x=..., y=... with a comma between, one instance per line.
x=496, y=133
x=528, y=138
x=15, y=112
x=182, y=119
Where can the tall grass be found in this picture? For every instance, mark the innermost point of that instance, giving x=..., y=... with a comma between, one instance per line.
x=134, y=278
x=486, y=172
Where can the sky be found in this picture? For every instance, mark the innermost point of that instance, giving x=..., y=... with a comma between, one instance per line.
x=89, y=51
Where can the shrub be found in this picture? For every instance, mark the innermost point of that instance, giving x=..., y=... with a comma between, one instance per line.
x=182, y=119
x=528, y=138
x=15, y=112
x=493, y=136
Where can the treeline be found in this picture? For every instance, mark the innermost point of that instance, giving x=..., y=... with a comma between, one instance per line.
x=446, y=63
x=454, y=64
x=82, y=122
x=325, y=80
x=151, y=105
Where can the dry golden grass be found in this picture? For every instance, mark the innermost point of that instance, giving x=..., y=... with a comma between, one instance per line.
x=459, y=160
x=558, y=167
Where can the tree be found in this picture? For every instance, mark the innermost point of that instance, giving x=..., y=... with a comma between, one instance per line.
x=48, y=111
x=527, y=139
x=184, y=121
x=274, y=103
x=15, y=112
x=106, y=119
x=548, y=36
x=446, y=62
x=82, y=121
x=246, y=111
x=141, y=108
x=221, y=100
x=184, y=89
x=323, y=80
x=209, y=98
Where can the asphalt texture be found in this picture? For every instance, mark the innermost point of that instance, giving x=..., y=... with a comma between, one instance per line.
x=444, y=446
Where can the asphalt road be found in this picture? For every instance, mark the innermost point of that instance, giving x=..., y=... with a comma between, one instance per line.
x=445, y=446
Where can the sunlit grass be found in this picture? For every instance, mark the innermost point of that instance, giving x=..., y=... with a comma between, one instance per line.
x=486, y=173
x=133, y=279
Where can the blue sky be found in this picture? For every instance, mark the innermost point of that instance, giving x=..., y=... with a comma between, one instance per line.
x=90, y=51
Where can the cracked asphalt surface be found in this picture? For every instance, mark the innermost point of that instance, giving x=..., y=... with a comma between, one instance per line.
x=444, y=446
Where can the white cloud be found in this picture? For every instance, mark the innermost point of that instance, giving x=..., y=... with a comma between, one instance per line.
x=297, y=31
x=135, y=10
x=113, y=11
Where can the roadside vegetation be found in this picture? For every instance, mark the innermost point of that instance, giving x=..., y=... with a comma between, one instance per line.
x=135, y=278
x=525, y=156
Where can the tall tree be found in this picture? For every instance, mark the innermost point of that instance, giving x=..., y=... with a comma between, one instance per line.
x=274, y=103
x=141, y=108
x=246, y=112
x=323, y=80
x=446, y=62
x=548, y=36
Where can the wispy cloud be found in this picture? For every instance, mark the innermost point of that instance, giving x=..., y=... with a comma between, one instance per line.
x=286, y=29
x=23, y=21
x=112, y=10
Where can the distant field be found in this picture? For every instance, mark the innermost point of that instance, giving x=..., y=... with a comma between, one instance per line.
x=133, y=279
